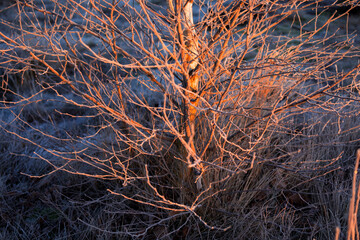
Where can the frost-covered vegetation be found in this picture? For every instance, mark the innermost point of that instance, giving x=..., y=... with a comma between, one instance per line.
x=177, y=120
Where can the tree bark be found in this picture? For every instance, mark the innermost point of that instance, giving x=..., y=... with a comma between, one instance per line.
x=182, y=12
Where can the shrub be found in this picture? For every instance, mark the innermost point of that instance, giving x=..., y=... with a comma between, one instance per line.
x=197, y=118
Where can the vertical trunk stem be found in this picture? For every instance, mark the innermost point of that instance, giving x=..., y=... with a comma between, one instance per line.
x=181, y=11
x=192, y=86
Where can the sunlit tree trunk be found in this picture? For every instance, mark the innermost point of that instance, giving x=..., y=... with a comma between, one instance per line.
x=182, y=13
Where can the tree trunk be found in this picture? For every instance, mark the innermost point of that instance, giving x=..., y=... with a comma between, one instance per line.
x=182, y=13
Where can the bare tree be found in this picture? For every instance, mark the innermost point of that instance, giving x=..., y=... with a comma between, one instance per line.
x=176, y=102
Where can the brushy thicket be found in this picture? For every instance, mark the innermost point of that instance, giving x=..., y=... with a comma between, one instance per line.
x=106, y=133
